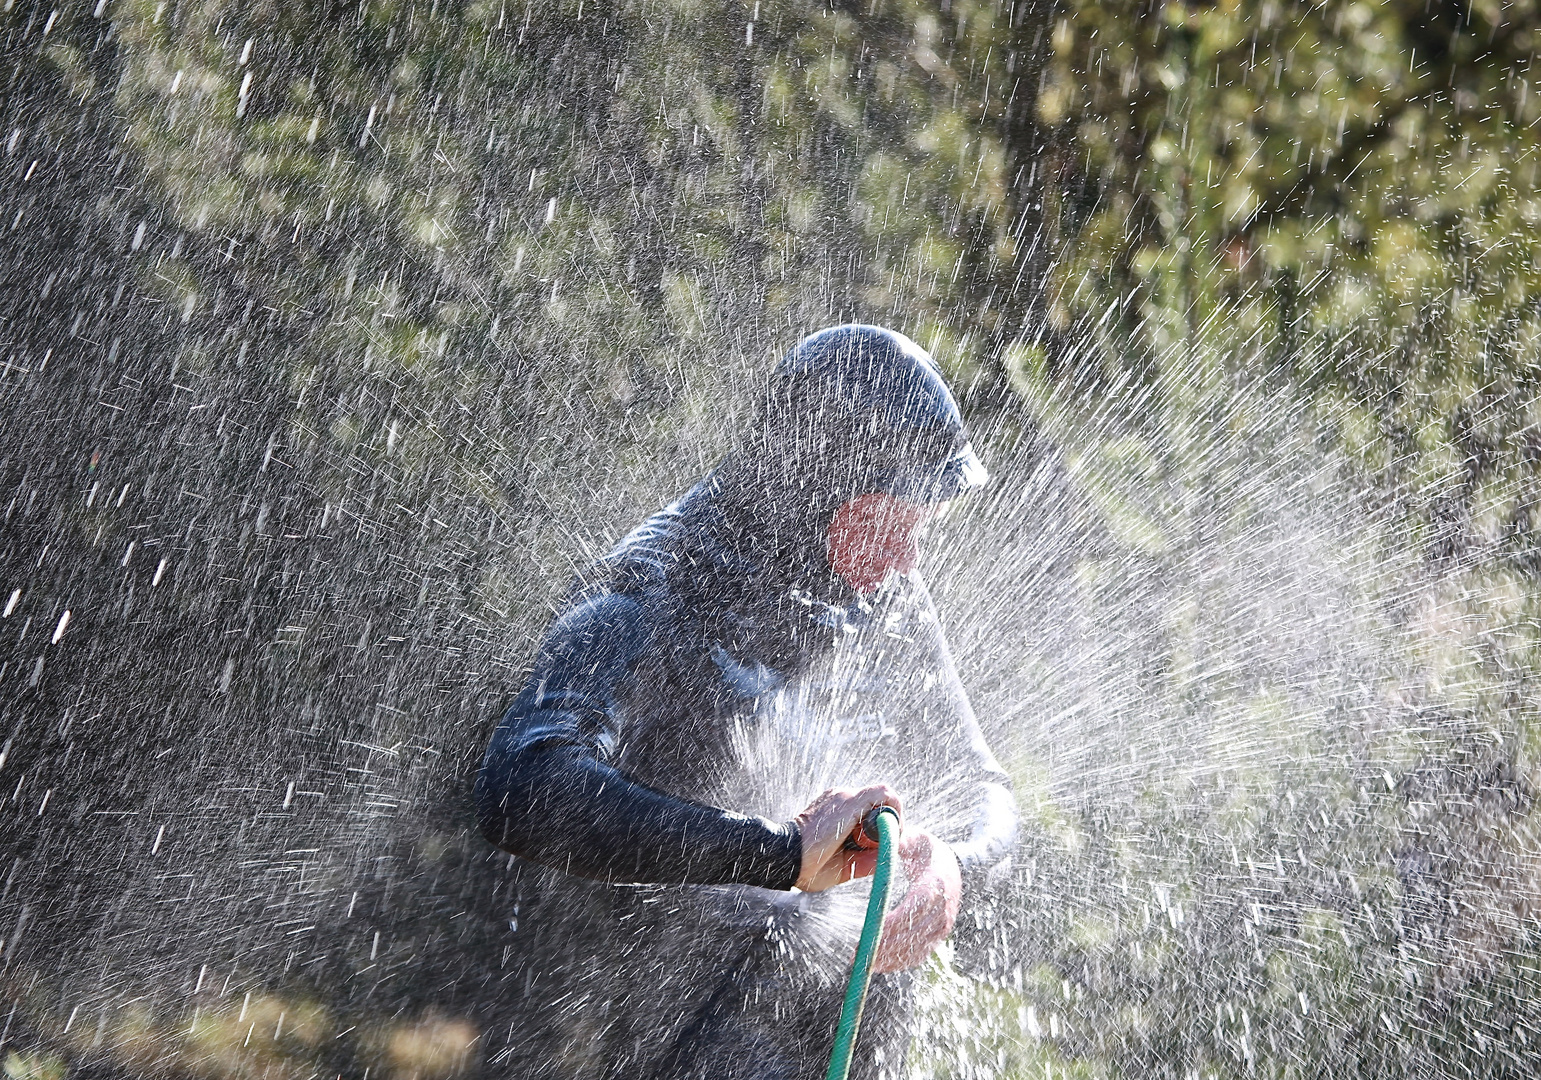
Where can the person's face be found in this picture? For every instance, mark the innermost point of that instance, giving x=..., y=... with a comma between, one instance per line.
x=873, y=534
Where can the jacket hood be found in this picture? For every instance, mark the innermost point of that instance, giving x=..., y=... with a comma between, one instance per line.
x=864, y=409
x=850, y=410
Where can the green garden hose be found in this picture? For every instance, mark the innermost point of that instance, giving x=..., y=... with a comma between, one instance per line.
x=884, y=822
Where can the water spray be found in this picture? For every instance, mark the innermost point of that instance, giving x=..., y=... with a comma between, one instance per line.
x=877, y=827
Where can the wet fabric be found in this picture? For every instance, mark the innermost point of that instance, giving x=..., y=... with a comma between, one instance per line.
x=761, y=1023
x=701, y=685
x=690, y=700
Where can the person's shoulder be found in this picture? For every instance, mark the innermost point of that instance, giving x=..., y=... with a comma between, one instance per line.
x=674, y=555
x=597, y=625
x=640, y=564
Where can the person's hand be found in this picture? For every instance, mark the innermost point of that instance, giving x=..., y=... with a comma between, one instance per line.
x=827, y=824
x=926, y=914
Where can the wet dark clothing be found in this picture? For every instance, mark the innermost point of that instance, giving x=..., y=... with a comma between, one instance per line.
x=707, y=682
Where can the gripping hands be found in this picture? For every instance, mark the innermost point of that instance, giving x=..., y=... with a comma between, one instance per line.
x=837, y=849
x=827, y=824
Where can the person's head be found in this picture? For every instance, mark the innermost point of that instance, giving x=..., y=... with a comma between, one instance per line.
x=859, y=431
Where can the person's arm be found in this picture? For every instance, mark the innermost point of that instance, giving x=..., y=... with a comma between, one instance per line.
x=961, y=876
x=557, y=804
x=985, y=851
x=546, y=793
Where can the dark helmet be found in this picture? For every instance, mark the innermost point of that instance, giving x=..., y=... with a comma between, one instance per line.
x=865, y=409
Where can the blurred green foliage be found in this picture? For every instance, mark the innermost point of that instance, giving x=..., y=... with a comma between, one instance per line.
x=597, y=200
x=1307, y=228
x=1363, y=173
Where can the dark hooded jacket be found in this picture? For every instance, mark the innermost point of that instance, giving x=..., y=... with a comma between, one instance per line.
x=712, y=674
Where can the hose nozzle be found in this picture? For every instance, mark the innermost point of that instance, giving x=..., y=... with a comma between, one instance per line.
x=866, y=836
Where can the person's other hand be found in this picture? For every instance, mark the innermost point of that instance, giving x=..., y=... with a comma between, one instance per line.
x=926, y=914
x=827, y=824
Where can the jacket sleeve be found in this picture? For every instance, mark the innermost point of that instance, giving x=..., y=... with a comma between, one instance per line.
x=987, y=837
x=545, y=791
x=984, y=853
x=985, y=845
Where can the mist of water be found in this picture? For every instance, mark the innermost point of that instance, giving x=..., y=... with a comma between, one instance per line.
x=286, y=509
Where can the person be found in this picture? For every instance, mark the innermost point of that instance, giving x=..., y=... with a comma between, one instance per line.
x=720, y=701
